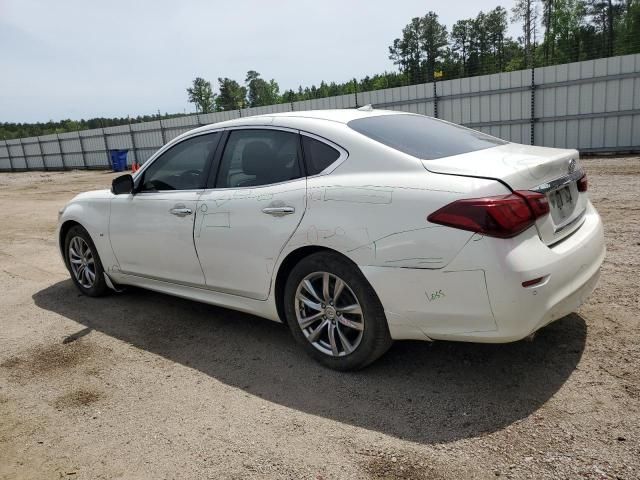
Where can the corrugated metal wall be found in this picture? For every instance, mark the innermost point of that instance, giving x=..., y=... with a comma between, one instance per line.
x=593, y=106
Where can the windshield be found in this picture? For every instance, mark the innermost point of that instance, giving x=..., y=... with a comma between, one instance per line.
x=423, y=137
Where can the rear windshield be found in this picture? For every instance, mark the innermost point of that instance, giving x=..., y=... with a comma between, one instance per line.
x=423, y=137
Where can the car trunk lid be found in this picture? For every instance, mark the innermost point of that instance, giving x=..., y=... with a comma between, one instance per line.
x=551, y=171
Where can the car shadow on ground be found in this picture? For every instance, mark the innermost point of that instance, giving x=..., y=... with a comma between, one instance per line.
x=427, y=393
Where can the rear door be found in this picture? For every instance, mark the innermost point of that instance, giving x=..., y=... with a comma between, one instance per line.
x=252, y=207
x=151, y=231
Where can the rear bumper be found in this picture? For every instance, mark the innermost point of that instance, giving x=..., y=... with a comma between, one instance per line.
x=479, y=296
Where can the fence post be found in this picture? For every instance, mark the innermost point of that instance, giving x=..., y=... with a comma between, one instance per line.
x=435, y=100
x=84, y=160
x=44, y=158
x=6, y=144
x=355, y=89
x=64, y=166
x=533, y=104
x=106, y=147
x=164, y=139
x=24, y=155
x=133, y=142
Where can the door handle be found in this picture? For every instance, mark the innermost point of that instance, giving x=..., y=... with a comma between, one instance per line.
x=278, y=211
x=180, y=211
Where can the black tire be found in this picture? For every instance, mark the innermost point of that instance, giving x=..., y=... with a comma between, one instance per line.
x=99, y=286
x=375, y=339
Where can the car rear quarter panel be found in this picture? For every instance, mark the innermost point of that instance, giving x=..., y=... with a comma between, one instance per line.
x=380, y=218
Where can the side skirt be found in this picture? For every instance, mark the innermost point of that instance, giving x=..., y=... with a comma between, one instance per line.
x=261, y=308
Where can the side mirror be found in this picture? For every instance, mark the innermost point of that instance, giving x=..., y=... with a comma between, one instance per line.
x=122, y=184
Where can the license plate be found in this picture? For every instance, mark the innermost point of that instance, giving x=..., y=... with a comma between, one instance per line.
x=562, y=202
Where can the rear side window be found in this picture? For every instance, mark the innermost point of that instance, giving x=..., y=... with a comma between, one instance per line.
x=423, y=137
x=259, y=157
x=318, y=155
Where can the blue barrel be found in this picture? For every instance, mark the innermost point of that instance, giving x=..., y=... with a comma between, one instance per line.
x=118, y=160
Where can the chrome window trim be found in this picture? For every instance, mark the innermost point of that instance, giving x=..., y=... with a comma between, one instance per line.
x=262, y=127
x=344, y=154
x=559, y=182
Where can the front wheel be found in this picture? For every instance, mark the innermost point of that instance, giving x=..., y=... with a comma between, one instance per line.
x=84, y=263
x=334, y=312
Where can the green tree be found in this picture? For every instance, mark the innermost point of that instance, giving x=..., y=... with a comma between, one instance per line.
x=526, y=11
x=434, y=39
x=232, y=96
x=201, y=94
x=407, y=52
x=496, y=25
x=261, y=92
x=421, y=48
x=461, y=43
x=628, y=28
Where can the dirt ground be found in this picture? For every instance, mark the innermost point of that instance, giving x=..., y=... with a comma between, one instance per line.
x=143, y=385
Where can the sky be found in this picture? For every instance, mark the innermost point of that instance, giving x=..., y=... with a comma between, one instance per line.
x=81, y=59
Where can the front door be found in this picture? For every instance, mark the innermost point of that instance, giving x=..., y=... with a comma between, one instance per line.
x=151, y=231
x=256, y=203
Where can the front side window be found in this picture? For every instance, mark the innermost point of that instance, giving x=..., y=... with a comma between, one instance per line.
x=318, y=155
x=183, y=166
x=255, y=157
x=423, y=137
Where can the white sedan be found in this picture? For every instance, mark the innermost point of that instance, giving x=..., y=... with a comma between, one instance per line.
x=355, y=227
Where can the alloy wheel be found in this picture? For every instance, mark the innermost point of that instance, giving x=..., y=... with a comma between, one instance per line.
x=329, y=314
x=82, y=262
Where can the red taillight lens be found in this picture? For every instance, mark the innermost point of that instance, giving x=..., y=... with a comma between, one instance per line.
x=503, y=217
x=537, y=201
x=582, y=183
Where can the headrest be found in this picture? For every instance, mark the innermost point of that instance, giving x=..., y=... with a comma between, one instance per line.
x=256, y=158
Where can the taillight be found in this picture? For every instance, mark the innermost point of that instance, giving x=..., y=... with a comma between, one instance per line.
x=582, y=183
x=504, y=216
x=537, y=201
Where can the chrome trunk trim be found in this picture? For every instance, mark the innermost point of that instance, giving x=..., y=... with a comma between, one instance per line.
x=559, y=182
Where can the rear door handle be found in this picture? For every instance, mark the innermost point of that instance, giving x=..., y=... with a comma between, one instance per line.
x=180, y=211
x=278, y=211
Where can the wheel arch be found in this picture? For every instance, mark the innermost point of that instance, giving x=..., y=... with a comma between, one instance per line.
x=64, y=229
x=289, y=262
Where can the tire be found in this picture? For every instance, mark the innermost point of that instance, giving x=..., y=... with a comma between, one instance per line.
x=357, y=339
x=83, y=263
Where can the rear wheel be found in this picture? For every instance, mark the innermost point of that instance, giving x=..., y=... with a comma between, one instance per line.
x=334, y=312
x=84, y=263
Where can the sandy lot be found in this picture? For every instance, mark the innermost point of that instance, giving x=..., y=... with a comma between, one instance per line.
x=142, y=385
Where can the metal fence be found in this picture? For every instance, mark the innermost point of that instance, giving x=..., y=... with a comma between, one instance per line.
x=593, y=106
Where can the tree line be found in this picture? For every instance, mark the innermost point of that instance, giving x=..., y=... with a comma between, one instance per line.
x=552, y=32
x=9, y=130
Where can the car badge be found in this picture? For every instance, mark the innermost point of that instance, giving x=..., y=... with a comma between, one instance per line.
x=572, y=165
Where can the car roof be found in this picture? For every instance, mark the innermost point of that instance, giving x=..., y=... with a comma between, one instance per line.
x=343, y=115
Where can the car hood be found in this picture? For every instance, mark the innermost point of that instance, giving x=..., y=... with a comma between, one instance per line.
x=92, y=195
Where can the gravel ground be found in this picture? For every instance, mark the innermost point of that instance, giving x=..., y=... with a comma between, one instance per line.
x=142, y=385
